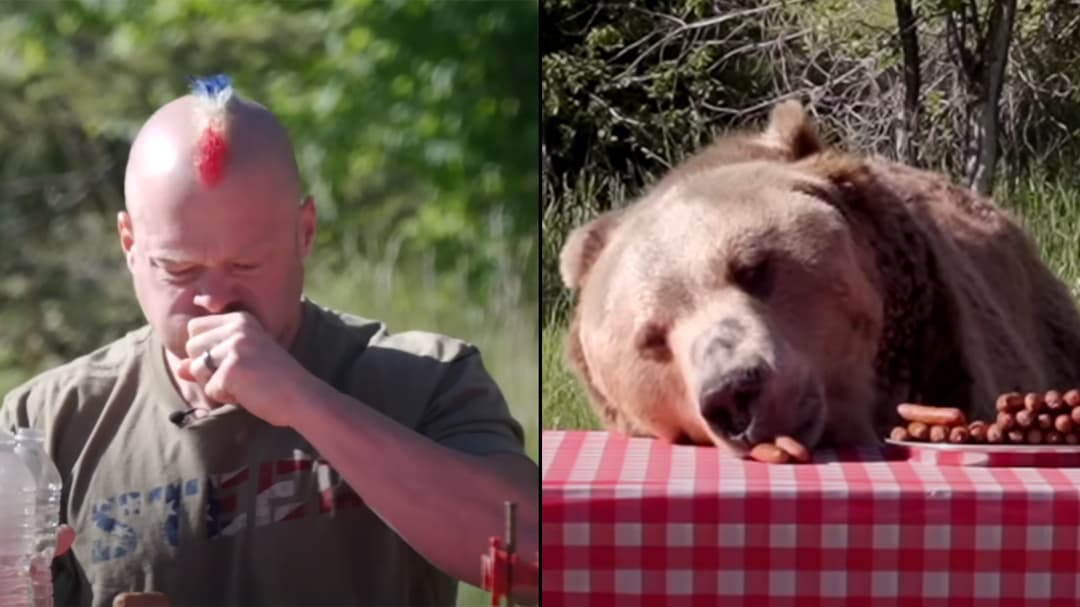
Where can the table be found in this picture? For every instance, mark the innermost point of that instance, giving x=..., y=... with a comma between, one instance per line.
x=633, y=521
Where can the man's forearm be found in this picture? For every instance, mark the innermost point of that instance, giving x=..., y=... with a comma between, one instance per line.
x=444, y=503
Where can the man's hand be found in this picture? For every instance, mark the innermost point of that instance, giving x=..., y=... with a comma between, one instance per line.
x=247, y=366
x=65, y=537
x=141, y=599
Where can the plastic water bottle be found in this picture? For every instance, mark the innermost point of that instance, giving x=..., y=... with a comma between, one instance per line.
x=30, y=447
x=16, y=525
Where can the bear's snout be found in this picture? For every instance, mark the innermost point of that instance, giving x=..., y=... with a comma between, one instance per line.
x=728, y=401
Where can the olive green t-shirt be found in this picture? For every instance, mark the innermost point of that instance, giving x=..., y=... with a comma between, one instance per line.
x=229, y=510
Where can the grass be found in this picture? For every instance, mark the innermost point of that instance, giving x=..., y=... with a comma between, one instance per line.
x=1050, y=210
x=1048, y=207
x=562, y=402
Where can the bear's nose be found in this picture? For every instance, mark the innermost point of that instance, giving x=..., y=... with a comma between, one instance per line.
x=727, y=403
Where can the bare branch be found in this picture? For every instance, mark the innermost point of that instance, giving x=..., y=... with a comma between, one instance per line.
x=697, y=26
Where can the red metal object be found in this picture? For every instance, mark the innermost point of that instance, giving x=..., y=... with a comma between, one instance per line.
x=501, y=568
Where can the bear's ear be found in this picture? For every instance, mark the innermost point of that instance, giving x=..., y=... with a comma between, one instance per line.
x=791, y=129
x=584, y=244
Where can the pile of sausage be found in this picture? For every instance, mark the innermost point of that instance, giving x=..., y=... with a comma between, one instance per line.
x=1051, y=418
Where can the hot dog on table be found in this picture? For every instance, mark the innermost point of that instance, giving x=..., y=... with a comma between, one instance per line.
x=1049, y=418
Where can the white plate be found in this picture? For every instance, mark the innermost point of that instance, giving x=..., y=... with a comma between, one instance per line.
x=986, y=448
x=996, y=455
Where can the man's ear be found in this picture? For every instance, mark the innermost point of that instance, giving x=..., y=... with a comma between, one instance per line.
x=583, y=246
x=127, y=236
x=307, y=223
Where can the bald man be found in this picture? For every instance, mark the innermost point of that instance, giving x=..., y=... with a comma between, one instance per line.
x=249, y=446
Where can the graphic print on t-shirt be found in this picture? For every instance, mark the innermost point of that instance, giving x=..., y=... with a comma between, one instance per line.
x=253, y=496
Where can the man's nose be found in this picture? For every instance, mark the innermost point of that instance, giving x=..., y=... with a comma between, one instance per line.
x=216, y=293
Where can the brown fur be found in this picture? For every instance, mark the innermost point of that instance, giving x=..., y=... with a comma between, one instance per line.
x=949, y=295
x=788, y=137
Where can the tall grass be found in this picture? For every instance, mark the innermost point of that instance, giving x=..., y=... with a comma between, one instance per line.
x=1050, y=209
x=563, y=404
x=566, y=206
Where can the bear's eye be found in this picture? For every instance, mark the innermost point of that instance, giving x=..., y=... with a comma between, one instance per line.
x=755, y=278
x=652, y=342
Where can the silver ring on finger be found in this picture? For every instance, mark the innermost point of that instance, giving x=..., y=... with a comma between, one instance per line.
x=208, y=360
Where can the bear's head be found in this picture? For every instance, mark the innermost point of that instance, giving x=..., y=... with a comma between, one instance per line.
x=733, y=303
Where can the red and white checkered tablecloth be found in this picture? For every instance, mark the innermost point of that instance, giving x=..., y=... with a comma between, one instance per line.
x=630, y=522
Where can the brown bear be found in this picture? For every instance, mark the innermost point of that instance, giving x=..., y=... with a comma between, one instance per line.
x=769, y=286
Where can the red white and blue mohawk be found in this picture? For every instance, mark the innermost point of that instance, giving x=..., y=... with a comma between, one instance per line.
x=212, y=96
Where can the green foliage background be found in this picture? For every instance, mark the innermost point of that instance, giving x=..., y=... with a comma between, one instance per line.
x=416, y=126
